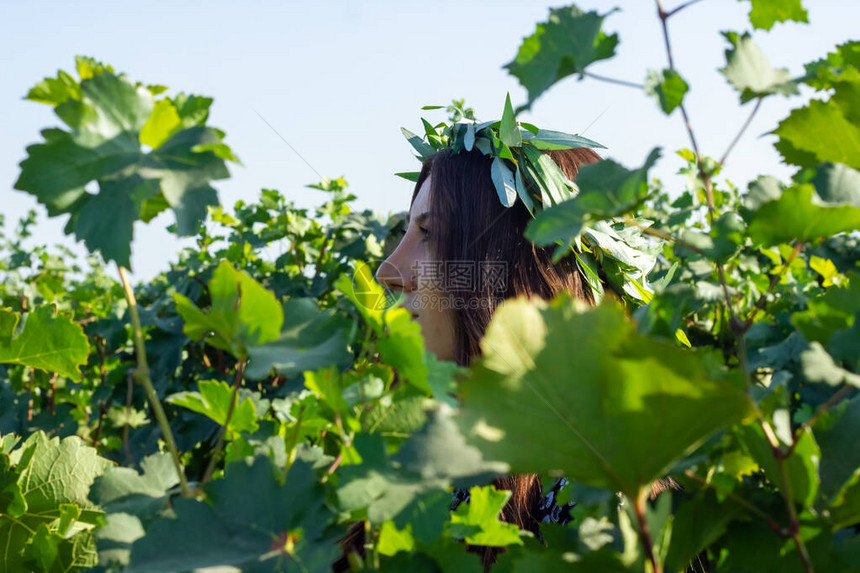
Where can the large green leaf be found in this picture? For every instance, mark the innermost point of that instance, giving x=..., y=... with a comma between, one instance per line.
x=748, y=70
x=765, y=13
x=48, y=342
x=109, y=118
x=243, y=313
x=599, y=394
x=825, y=131
x=565, y=44
x=799, y=214
x=252, y=518
x=53, y=480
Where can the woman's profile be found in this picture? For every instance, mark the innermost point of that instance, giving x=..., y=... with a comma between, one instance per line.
x=464, y=252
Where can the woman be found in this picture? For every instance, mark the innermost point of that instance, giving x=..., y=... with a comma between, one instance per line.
x=462, y=254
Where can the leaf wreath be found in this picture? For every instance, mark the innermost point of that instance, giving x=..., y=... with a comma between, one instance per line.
x=607, y=250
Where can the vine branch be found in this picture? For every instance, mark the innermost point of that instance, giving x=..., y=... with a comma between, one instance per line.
x=141, y=376
x=681, y=7
x=742, y=130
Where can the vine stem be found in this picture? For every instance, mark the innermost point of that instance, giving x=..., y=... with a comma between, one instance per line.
x=237, y=382
x=794, y=524
x=141, y=376
x=644, y=530
x=741, y=132
x=615, y=81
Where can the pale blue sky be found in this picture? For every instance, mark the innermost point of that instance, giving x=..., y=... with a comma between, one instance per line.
x=338, y=79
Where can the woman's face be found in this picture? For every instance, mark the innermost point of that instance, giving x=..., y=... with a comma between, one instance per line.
x=412, y=270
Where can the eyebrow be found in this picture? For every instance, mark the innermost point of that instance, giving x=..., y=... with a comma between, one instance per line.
x=420, y=219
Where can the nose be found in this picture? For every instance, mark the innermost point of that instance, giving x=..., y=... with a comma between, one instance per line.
x=390, y=274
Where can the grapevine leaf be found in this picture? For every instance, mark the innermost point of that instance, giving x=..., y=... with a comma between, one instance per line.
x=48, y=342
x=818, y=366
x=839, y=464
x=698, y=524
x=309, y=339
x=213, y=401
x=565, y=44
x=431, y=460
x=799, y=215
x=824, y=131
x=109, y=117
x=54, y=478
x=837, y=183
x=846, y=510
x=243, y=313
x=668, y=87
x=393, y=540
x=607, y=435
x=402, y=347
x=830, y=312
x=765, y=13
x=821, y=74
x=478, y=521
x=250, y=517
x=748, y=70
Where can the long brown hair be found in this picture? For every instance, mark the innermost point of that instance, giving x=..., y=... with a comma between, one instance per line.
x=469, y=225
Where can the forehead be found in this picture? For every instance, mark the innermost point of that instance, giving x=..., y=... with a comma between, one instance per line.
x=421, y=204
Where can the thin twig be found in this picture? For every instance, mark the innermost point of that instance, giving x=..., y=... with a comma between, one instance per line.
x=237, y=382
x=141, y=376
x=687, y=4
x=615, y=81
x=741, y=132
